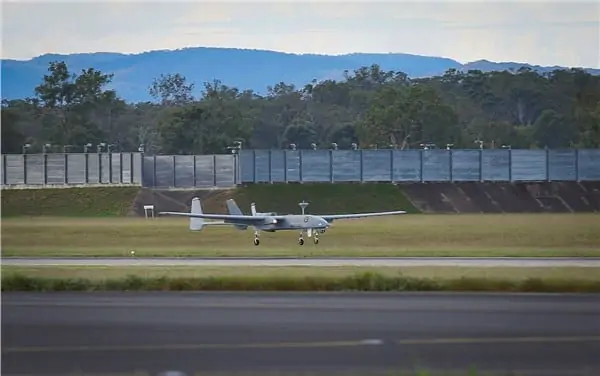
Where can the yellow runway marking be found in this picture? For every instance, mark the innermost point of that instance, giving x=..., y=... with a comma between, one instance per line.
x=314, y=344
x=201, y=346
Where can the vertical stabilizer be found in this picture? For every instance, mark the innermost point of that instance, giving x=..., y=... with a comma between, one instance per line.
x=196, y=224
x=253, y=208
x=234, y=209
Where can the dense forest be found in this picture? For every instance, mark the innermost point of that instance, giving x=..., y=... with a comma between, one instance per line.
x=369, y=107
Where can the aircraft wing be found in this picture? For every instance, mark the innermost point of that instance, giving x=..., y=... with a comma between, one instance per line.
x=225, y=217
x=216, y=223
x=332, y=217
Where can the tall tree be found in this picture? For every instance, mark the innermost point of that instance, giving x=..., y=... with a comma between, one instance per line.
x=172, y=89
x=75, y=107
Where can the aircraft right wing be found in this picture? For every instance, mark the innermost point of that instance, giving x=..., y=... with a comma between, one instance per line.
x=332, y=217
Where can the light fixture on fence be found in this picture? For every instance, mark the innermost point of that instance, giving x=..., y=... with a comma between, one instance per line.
x=86, y=147
x=236, y=148
x=480, y=143
x=506, y=147
x=449, y=146
x=313, y=146
x=100, y=146
x=25, y=147
x=45, y=147
x=293, y=146
x=141, y=148
x=334, y=145
x=427, y=146
x=109, y=147
x=354, y=146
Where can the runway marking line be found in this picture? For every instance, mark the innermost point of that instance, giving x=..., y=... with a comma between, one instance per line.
x=314, y=344
x=495, y=340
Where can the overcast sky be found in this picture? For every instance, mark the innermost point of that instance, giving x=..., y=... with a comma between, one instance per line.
x=538, y=32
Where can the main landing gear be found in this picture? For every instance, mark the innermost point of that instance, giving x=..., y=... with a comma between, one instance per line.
x=315, y=238
x=312, y=234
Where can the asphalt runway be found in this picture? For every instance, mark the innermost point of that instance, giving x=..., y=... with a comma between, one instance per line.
x=319, y=261
x=90, y=333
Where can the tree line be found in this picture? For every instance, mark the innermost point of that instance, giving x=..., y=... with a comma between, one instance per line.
x=369, y=106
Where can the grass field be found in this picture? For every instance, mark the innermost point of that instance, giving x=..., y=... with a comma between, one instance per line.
x=69, y=202
x=408, y=235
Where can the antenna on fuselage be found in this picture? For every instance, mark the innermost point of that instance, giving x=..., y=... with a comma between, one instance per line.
x=303, y=206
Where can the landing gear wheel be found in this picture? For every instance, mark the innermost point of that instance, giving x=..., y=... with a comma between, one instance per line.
x=301, y=241
x=256, y=241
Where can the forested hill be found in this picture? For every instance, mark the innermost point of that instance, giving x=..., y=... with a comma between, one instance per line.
x=370, y=106
x=242, y=68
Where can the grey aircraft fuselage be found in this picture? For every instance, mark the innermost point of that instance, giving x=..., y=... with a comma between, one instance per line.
x=290, y=222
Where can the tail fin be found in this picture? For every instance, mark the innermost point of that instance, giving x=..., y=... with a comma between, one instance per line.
x=253, y=208
x=196, y=224
x=234, y=209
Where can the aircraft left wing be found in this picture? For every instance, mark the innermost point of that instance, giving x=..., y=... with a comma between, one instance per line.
x=224, y=217
x=332, y=217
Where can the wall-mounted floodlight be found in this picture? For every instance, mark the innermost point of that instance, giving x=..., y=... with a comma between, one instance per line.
x=427, y=146
x=334, y=145
x=86, y=147
x=236, y=148
x=480, y=143
x=449, y=146
x=293, y=146
x=45, y=147
x=141, y=148
x=354, y=146
x=25, y=147
x=313, y=146
x=100, y=146
x=506, y=147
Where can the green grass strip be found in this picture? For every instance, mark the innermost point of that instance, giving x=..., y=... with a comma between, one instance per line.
x=366, y=281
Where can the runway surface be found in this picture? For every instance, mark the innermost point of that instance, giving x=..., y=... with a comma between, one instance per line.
x=336, y=261
x=61, y=333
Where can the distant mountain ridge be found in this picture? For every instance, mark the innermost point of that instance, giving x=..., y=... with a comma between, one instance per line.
x=242, y=68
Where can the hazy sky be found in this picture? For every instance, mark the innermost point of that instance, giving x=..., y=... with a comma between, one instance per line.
x=537, y=32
